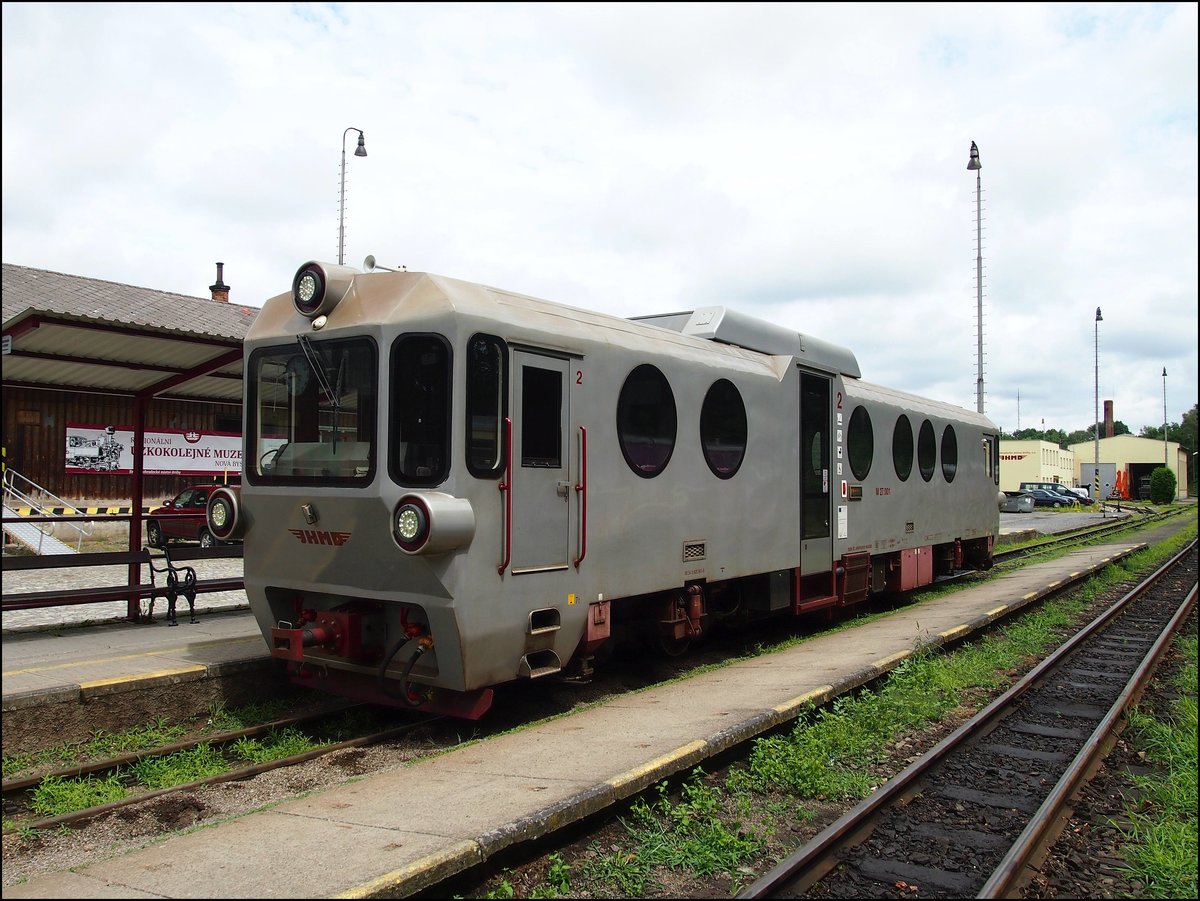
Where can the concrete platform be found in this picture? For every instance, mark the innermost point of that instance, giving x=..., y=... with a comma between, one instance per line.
x=398, y=832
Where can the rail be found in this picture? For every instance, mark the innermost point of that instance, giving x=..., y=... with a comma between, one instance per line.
x=1066, y=742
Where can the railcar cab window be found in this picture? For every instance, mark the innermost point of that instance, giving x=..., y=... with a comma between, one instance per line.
x=419, y=424
x=902, y=448
x=313, y=413
x=646, y=423
x=860, y=442
x=487, y=393
x=723, y=429
x=949, y=453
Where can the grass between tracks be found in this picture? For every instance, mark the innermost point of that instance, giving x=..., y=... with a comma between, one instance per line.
x=56, y=796
x=735, y=827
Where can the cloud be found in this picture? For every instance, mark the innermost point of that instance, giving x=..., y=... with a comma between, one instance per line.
x=804, y=163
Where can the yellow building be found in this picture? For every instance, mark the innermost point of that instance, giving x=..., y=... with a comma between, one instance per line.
x=1135, y=457
x=1036, y=461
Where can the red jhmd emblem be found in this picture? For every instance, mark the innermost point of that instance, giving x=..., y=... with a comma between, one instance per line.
x=191, y=437
x=320, y=536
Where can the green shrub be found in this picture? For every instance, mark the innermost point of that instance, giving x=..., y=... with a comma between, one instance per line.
x=1162, y=486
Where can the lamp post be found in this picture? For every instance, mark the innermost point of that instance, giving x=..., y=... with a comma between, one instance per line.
x=974, y=164
x=1165, y=449
x=360, y=150
x=1096, y=417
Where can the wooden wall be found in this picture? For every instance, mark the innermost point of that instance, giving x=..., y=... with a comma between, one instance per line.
x=35, y=423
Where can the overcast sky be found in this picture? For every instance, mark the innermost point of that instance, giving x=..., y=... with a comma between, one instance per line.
x=803, y=163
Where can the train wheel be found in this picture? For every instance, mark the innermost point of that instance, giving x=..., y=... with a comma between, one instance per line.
x=672, y=646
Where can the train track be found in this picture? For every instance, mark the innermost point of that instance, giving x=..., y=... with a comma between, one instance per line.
x=1070, y=539
x=971, y=817
x=18, y=794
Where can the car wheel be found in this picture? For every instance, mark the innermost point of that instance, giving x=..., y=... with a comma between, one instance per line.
x=154, y=536
x=206, y=539
x=1058, y=504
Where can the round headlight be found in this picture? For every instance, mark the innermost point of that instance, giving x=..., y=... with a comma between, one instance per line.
x=224, y=514
x=432, y=522
x=319, y=287
x=220, y=513
x=308, y=289
x=412, y=525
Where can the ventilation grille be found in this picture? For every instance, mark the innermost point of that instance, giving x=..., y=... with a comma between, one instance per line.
x=693, y=550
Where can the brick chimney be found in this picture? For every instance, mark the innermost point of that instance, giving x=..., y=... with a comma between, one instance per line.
x=1109, y=427
x=220, y=291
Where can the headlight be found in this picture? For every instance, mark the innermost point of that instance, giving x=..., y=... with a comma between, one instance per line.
x=319, y=287
x=432, y=522
x=224, y=513
x=412, y=525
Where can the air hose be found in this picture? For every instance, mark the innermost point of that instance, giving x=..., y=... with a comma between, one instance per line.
x=424, y=643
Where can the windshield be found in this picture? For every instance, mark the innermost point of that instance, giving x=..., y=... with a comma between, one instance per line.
x=312, y=412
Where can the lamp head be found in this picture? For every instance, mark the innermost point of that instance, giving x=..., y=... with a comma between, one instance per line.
x=361, y=149
x=974, y=163
x=1099, y=318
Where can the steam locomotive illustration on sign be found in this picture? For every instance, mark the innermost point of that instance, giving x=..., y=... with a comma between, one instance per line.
x=102, y=453
x=449, y=487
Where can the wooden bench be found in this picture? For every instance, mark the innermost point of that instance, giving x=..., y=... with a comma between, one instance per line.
x=168, y=580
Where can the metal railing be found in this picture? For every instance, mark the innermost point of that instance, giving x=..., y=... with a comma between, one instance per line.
x=20, y=491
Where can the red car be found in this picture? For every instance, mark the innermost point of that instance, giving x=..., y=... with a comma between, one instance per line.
x=182, y=518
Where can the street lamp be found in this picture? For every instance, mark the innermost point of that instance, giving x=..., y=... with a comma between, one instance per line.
x=1165, y=463
x=1096, y=415
x=360, y=150
x=975, y=165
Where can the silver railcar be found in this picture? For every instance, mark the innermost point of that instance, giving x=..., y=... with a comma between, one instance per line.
x=450, y=486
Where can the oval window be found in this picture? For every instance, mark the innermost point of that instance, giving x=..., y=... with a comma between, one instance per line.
x=949, y=453
x=646, y=421
x=723, y=429
x=860, y=442
x=926, y=450
x=902, y=448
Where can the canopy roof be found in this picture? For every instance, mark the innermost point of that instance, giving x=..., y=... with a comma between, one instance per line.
x=71, y=333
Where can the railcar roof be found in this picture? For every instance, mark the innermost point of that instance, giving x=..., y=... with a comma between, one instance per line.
x=731, y=327
x=379, y=296
x=915, y=403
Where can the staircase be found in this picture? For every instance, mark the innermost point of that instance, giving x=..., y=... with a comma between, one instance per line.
x=20, y=491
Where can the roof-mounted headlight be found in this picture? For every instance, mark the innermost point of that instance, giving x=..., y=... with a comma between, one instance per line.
x=319, y=287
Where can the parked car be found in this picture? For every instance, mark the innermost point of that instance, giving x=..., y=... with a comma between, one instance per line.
x=1044, y=498
x=182, y=518
x=1078, y=494
x=1017, y=502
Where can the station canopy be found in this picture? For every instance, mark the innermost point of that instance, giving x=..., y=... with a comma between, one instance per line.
x=70, y=333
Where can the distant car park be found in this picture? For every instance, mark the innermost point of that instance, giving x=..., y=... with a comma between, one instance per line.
x=1044, y=498
x=1076, y=494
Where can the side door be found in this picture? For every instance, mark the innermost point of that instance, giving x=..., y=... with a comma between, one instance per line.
x=540, y=479
x=816, y=501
